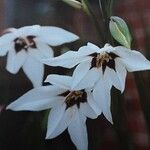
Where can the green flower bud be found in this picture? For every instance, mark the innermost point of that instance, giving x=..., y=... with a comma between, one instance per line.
x=73, y=3
x=120, y=32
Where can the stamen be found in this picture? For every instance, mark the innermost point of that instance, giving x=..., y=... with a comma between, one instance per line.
x=104, y=59
x=74, y=98
x=73, y=95
x=101, y=59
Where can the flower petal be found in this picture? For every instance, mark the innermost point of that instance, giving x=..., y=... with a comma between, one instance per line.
x=121, y=73
x=107, y=48
x=80, y=72
x=36, y=99
x=101, y=94
x=27, y=31
x=72, y=58
x=55, y=36
x=133, y=60
x=93, y=103
x=86, y=81
x=88, y=49
x=111, y=76
x=86, y=110
x=54, y=119
x=44, y=49
x=40, y=54
x=66, y=60
x=6, y=38
x=78, y=132
x=64, y=123
x=34, y=71
x=59, y=80
x=4, y=48
x=15, y=60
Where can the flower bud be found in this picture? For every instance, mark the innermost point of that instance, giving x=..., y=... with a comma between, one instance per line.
x=120, y=32
x=73, y=3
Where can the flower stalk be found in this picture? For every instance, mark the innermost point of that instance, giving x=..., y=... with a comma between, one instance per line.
x=117, y=106
x=144, y=96
x=106, y=11
x=89, y=12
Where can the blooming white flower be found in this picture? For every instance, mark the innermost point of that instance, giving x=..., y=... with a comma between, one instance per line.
x=105, y=67
x=69, y=107
x=26, y=44
x=109, y=63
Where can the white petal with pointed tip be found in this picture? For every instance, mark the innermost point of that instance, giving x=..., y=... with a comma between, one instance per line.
x=86, y=110
x=15, y=60
x=78, y=132
x=59, y=80
x=55, y=36
x=111, y=76
x=66, y=60
x=38, y=105
x=93, y=104
x=101, y=95
x=37, y=99
x=88, y=50
x=133, y=60
x=107, y=48
x=121, y=73
x=65, y=121
x=80, y=72
x=93, y=47
x=54, y=119
x=34, y=71
x=89, y=79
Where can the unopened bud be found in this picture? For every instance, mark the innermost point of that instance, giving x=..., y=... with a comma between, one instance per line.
x=120, y=32
x=73, y=3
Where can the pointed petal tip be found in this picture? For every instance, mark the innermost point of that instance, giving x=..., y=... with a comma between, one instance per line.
x=109, y=118
x=76, y=37
x=122, y=90
x=46, y=80
x=47, y=137
x=10, y=107
x=111, y=121
x=91, y=45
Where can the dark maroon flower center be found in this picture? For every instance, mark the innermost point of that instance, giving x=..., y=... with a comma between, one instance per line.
x=24, y=43
x=74, y=98
x=104, y=60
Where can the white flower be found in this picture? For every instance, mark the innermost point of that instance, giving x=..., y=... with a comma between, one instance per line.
x=69, y=108
x=110, y=63
x=105, y=67
x=26, y=44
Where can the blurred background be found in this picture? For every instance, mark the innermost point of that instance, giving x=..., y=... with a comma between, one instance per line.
x=26, y=130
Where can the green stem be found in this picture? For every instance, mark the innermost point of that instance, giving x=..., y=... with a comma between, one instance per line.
x=89, y=12
x=118, y=102
x=106, y=11
x=120, y=119
x=144, y=96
